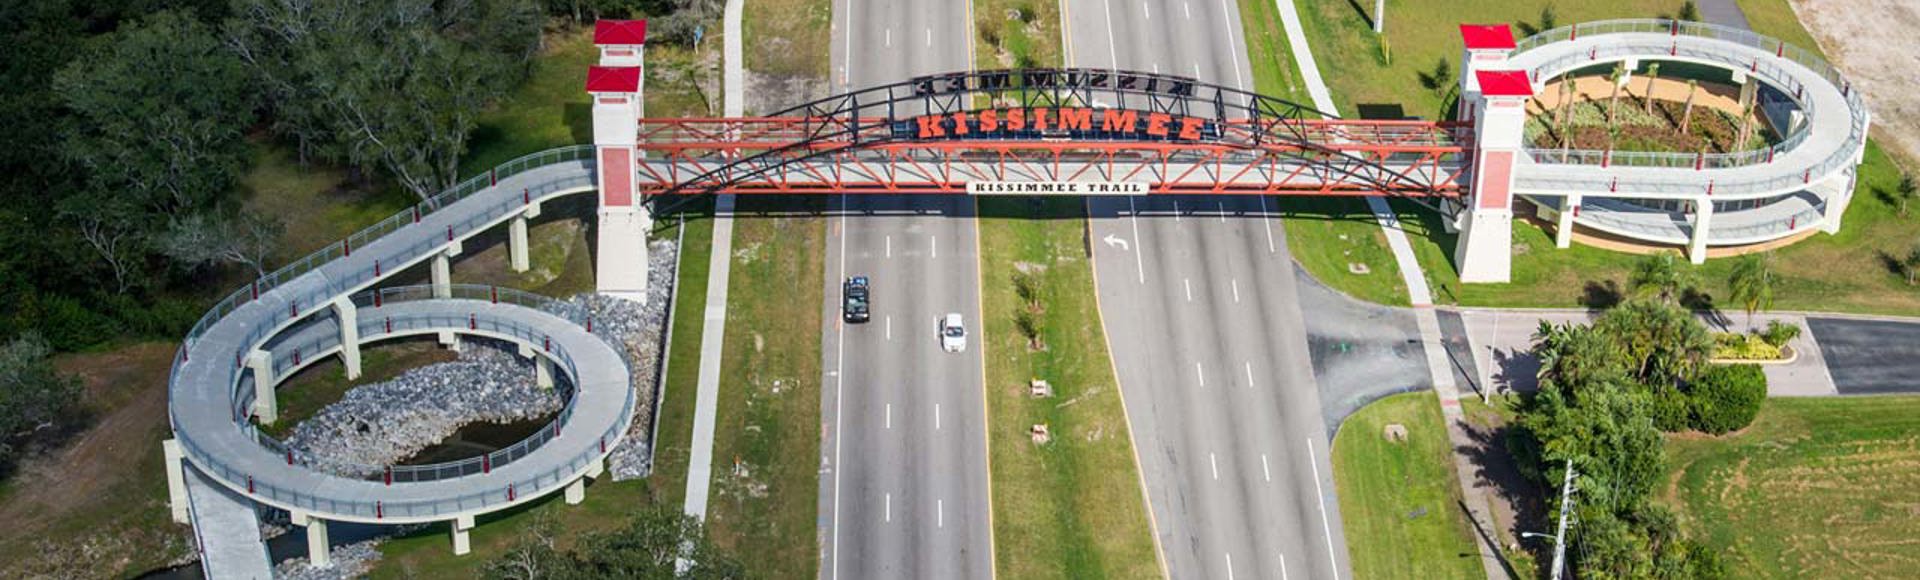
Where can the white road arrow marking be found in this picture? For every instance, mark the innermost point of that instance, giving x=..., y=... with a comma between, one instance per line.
x=1118, y=242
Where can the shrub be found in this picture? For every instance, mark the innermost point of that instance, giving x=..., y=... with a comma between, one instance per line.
x=1780, y=333
x=1726, y=397
x=1671, y=410
x=1743, y=347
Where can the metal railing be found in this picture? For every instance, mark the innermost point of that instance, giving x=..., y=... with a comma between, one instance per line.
x=1768, y=68
x=1667, y=223
x=477, y=321
x=366, y=236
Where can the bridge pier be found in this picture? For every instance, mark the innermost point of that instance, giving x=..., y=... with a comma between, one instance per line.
x=462, y=528
x=517, y=243
x=1702, y=222
x=319, y=549
x=1563, y=224
x=175, y=462
x=442, y=276
x=543, y=372
x=348, y=316
x=266, y=403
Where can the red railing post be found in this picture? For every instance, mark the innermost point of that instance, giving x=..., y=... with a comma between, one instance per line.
x=389, y=475
x=376, y=268
x=416, y=214
x=486, y=463
x=389, y=325
x=346, y=247
x=1699, y=160
x=509, y=492
x=249, y=485
x=380, y=507
x=493, y=294
x=472, y=322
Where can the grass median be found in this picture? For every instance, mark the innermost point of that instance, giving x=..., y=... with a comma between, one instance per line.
x=1071, y=507
x=1399, y=500
x=1815, y=487
x=766, y=440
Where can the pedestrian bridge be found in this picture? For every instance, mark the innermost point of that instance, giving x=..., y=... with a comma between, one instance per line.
x=1157, y=134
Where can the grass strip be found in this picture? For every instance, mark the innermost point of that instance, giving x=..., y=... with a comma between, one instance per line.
x=1070, y=508
x=1398, y=498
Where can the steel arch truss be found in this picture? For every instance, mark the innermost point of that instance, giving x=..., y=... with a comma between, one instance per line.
x=866, y=142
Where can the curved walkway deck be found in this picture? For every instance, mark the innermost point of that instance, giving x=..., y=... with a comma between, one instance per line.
x=208, y=398
x=1837, y=117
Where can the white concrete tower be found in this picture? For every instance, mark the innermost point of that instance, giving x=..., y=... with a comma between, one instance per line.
x=1484, y=250
x=621, y=264
x=1486, y=48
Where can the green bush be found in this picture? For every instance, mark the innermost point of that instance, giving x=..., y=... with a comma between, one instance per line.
x=1726, y=397
x=1671, y=410
x=1779, y=333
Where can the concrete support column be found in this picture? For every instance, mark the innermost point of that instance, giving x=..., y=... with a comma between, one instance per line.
x=543, y=372
x=1563, y=227
x=462, y=535
x=349, y=317
x=176, y=479
x=319, y=550
x=517, y=242
x=450, y=340
x=1839, y=194
x=442, y=276
x=266, y=403
x=577, y=491
x=1702, y=222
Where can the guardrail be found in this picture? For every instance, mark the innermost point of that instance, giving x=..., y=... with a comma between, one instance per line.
x=1782, y=50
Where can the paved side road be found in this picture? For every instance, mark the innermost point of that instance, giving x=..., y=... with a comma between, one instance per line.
x=1869, y=357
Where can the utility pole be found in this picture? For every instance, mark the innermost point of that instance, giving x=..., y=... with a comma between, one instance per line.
x=1379, y=16
x=1560, y=537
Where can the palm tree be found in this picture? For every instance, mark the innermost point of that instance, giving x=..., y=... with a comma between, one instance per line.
x=1565, y=112
x=1686, y=118
x=1613, y=103
x=1752, y=283
x=1653, y=74
x=1661, y=276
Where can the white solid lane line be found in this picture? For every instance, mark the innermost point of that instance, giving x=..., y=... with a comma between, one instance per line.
x=1249, y=374
x=1268, y=474
x=1283, y=567
x=936, y=416
x=1176, y=203
x=1266, y=221
x=889, y=245
x=1145, y=11
x=940, y=512
x=1223, y=203
x=1326, y=529
x=1236, y=290
x=936, y=245
x=1138, y=264
x=1196, y=69
x=1188, y=8
x=889, y=508
x=889, y=37
x=1189, y=286
x=889, y=328
x=1200, y=373
x=889, y=415
x=1229, y=566
x=929, y=37
x=1215, y=462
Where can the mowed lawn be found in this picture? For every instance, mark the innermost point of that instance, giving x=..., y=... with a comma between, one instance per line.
x=1073, y=507
x=1399, y=500
x=1816, y=487
x=766, y=441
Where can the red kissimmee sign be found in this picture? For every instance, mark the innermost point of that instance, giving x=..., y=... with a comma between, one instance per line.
x=1062, y=121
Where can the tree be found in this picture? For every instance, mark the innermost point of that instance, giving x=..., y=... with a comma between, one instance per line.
x=1662, y=276
x=113, y=229
x=1686, y=117
x=1906, y=192
x=1662, y=344
x=1440, y=79
x=406, y=104
x=656, y=543
x=1549, y=19
x=1653, y=74
x=1726, y=398
x=1617, y=79
x=33, y=396
x=216, y=237
x=1605, y=432
x=1689, y=12
x=1911, y=264
x=159, y=114
x=1751, y=283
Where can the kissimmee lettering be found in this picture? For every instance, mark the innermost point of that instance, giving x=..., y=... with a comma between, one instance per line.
x=1081, y=121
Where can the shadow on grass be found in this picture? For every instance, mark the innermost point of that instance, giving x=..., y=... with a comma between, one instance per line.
x=1494, y=464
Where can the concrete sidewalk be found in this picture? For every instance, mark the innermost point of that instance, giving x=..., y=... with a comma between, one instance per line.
x=719, y=270
x=227, y=529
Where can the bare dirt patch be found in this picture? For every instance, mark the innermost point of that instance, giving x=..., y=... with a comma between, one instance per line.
x=102, y=497
x=1872, y=41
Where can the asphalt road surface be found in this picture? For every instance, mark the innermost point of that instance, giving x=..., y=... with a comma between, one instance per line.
x=903, y=487
x=1869, y=357
x=1204, y=318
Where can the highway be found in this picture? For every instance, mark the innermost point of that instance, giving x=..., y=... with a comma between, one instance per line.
x=903, y=487
x=1203, y=314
